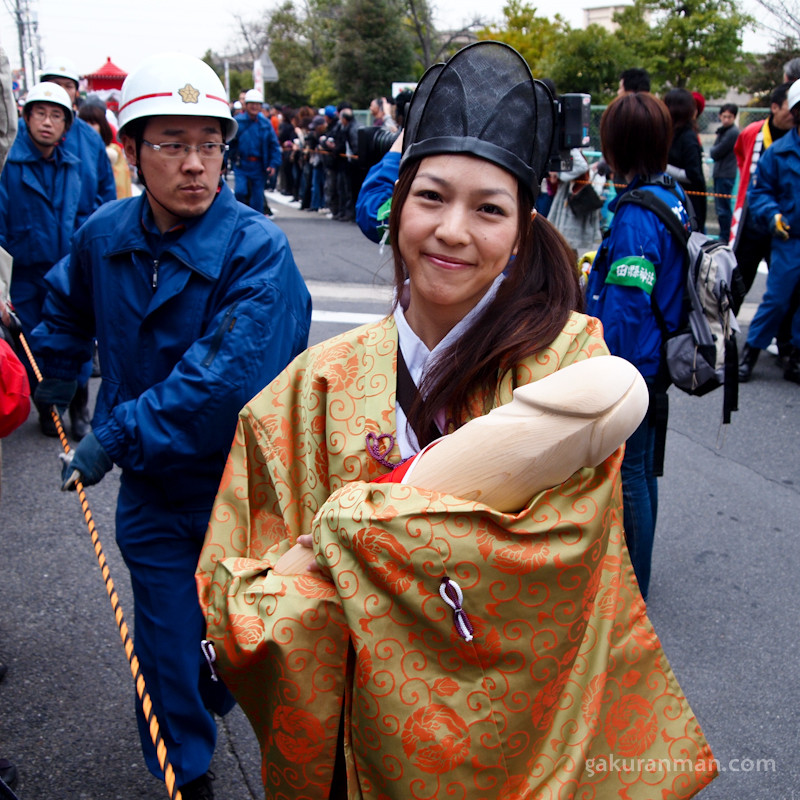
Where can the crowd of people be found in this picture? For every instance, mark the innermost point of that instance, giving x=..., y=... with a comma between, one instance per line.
x=190, y=299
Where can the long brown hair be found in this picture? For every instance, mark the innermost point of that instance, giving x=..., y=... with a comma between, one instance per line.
x=530, y=309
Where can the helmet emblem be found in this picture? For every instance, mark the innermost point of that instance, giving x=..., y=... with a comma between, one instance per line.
x=189, y=94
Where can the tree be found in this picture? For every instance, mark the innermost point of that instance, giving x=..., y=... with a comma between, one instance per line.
x=431, y=45
x=587, y=60
x=532, y=36
x=766, y=71
x=373, y=50
x=686, y=42
x=783, y=19
x=319, y=87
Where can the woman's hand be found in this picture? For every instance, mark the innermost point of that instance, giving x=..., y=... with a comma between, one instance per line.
x=299, y=558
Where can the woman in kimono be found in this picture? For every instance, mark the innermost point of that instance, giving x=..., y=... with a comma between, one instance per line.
x=445, y=648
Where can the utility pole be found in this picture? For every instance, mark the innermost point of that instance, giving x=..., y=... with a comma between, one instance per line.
x=30, y=54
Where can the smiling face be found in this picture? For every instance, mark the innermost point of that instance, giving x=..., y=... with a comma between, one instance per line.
x=458, y=230
x=182, y=187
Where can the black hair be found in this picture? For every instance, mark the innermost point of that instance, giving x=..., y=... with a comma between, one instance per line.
x=635, y=79
x=780, y=93
x=730, y=107
x=682, y=107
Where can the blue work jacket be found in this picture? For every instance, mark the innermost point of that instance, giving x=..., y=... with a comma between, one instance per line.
x=256, y=146
x=83, y=142
x=776, y=188
x=39, y=200
x=375, y=191
x=190, y=326
x=639, y=259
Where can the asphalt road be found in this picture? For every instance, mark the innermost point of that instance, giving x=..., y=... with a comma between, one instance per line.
x=722, y=598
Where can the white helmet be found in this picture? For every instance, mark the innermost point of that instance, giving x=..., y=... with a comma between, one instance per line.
x=254, y=96
x=47, y=92
x=794, y=95
x=61, y=68
x=175, y=84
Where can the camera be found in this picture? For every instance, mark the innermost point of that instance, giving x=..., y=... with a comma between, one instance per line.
x=573, y=117
x=373, y=145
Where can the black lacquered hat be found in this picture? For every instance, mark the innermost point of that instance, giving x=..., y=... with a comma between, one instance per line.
x=483, y=102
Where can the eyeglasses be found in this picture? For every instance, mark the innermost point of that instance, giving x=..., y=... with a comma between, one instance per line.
x=181, y=150
x=55, y=114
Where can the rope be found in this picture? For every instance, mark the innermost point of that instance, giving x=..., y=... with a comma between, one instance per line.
x=127, y=642
x=686, y=191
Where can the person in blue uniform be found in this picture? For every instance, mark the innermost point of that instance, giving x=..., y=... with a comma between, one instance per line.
x=196, y=303
x=40, y=191
x=773, y=204
x=255, y=153
x=640, y=263
x=97, y=187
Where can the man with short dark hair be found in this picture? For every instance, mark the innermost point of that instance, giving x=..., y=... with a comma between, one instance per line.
x=197, y=304
x=345, y=136
x=634, y=79
x=724, y=172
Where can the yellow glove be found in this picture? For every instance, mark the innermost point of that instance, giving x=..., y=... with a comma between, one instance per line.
x=779, y=227
x=585, y=262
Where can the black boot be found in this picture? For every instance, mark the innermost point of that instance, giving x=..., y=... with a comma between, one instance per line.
x=79, y=417
x=792, y=370
x=46, y=424
x=749, y=357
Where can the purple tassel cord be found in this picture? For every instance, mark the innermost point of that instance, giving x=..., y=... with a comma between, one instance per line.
x=452, y=595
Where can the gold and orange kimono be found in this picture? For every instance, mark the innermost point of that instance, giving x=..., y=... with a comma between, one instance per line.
x=562, y=691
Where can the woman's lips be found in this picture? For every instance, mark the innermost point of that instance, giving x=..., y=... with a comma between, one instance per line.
x=446, y=262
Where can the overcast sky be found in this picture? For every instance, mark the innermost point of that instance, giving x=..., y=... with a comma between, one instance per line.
x=89, y=31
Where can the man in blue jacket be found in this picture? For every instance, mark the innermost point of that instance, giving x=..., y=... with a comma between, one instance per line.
x=774, y=203
x=97, y=187
x=39, y=199
x=255, y=153
x=196, y=303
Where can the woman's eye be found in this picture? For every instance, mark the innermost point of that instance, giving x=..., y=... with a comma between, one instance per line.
x=488, y=208
x=428, y=194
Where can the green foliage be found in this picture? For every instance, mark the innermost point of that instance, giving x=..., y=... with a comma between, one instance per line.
x=373, y=50
x=532, y=36
x=686, y=43
x=240, y=81
x=765, y=72
x=319, y=87
x=587, y=60
x=289, y=52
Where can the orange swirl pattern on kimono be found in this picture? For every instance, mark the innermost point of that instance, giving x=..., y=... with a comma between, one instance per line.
x=564, y=689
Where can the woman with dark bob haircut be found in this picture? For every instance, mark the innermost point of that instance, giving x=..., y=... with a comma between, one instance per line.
x=443, y=645
x=640, y=264
x=685, y=158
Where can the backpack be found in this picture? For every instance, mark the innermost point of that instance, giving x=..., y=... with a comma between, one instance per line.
x=702, y=354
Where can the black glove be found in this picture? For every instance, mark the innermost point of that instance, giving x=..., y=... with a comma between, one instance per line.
x=55, y=392
x=87, y=463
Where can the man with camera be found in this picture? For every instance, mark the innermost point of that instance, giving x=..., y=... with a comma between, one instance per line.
x=344, y=148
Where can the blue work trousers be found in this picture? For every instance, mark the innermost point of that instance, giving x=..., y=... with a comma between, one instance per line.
x=782, y=280
x=640, y=500
x=161, y=548
x=723, y=186
x=249, y=189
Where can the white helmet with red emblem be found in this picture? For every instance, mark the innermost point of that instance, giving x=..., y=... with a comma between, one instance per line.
x=46, y=92
x=175, y=84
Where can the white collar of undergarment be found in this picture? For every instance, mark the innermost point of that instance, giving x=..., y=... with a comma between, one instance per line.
x=419, y=358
